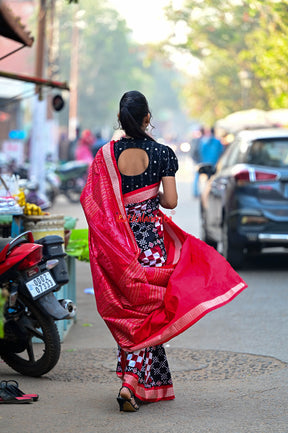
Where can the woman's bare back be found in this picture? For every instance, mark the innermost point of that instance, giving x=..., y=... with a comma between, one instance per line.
x=133, y=162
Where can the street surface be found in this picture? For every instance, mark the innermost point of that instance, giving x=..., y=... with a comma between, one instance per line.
x=230, y=369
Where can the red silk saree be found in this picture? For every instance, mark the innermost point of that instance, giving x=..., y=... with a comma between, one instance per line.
x=147, y=306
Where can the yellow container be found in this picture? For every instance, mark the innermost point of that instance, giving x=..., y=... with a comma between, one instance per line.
x=43, y=225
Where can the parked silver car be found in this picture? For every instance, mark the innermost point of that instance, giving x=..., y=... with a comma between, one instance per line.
x=244, y=205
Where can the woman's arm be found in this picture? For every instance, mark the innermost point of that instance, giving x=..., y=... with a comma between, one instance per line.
x=169, y=196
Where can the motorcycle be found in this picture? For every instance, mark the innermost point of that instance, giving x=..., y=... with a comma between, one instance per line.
x=45, y=199
x=73, y=176
x=67, y=178
x=51, y=187
x=30, y=274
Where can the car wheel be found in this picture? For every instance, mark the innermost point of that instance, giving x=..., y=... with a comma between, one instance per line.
x=233, y=254
x=203, y=233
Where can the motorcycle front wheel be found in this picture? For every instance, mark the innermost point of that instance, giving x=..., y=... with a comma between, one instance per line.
x=42, y=349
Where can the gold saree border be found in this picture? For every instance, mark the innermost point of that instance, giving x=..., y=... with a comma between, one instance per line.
x=191, y=317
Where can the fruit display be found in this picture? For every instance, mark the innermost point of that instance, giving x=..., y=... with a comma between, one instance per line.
x=28, y=208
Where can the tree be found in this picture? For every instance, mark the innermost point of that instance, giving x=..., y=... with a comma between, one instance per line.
x=234, y=41
x=268, y=50
x=110, y=64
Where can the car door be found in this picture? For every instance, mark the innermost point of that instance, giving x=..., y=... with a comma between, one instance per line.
x=215, y=200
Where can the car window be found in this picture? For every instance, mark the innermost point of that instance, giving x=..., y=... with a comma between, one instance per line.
x=222, y=160
x=231, y=155
x=269, y=152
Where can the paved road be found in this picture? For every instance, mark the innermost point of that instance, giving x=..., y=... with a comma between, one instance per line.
x=230, y=369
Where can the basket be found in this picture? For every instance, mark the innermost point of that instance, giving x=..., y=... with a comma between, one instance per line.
x=43, y=225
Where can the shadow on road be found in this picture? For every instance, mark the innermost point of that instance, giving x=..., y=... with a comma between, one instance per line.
x=267, y=260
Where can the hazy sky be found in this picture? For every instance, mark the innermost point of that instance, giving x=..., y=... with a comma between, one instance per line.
x=145, y=18
x=147, y=21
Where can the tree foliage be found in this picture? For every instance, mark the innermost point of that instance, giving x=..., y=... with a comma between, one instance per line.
x=268, y=53
x=110, y=64
x=243, y=48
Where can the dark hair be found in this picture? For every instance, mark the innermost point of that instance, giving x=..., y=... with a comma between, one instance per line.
x=133, y=109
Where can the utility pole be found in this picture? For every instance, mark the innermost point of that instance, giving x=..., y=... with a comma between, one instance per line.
x=74, y=66
x=40, y=46
x=38, y=144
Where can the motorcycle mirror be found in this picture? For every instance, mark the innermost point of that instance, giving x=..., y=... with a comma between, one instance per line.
x=58, y=102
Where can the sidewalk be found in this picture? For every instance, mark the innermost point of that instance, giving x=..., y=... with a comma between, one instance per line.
x=216, y=391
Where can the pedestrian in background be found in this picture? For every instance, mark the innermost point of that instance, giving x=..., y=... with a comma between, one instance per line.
x=84, y=146
x=73, y=145
x=197, y=159
x=98, y=143
x=151, y=279
x=210, y=148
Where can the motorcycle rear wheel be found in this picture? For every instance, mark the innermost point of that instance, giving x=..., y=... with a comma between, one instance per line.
x=38, y=358
x=73, y=189
x=73, y=195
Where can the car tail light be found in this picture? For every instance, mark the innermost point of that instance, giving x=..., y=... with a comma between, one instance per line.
x=262, y=175
x=266, y=187
x=242, y=176
x=245, y=176
x=31, y=260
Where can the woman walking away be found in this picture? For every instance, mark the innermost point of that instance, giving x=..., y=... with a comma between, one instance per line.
x=151, y=279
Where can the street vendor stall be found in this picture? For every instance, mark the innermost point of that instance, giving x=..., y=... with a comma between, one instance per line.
x=18, y=216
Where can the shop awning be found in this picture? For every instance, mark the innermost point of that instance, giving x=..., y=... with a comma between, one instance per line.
x=12, y=28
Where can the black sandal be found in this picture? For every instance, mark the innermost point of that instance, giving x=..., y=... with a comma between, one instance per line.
x=127, y=404
x=7, y=397
x=13, y=388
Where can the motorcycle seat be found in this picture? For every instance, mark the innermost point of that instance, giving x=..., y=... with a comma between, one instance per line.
x=72, y=166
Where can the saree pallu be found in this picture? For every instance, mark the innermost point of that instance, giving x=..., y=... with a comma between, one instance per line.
x=147, y=306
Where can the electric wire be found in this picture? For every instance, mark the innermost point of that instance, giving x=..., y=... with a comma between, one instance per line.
x=23, y=95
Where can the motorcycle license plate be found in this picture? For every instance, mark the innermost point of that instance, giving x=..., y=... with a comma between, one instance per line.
x=41, y=284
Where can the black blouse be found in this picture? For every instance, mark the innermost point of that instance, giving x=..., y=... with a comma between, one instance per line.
x=162, y=162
